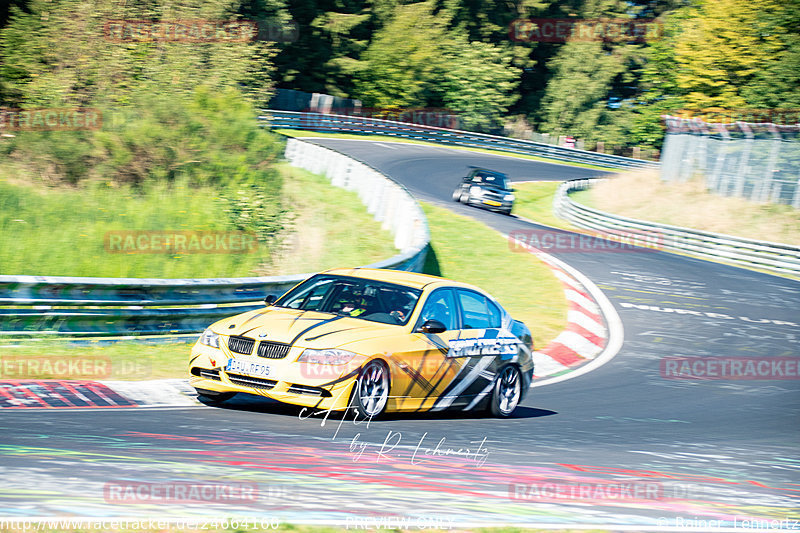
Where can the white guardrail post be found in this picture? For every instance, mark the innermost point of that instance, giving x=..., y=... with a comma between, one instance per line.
x=770, y=256
x=76, y=306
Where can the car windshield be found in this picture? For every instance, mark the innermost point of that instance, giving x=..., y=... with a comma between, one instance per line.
x=491, y=179
x=366, y=299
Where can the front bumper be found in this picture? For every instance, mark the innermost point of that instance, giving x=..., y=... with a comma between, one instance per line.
x=305, y=384
x=491, y=204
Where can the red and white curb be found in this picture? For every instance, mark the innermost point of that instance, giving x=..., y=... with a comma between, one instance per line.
x=83, y=394
x=593, y=334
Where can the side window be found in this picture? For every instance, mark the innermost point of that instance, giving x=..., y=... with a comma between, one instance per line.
x=439, y=306
x=495, y=316
x=474, y=312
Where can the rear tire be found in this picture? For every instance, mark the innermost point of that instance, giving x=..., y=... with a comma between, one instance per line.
x=213, y=397
x=371, y=390
x=506, y=392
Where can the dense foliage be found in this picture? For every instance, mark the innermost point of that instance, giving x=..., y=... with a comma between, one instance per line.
x=454, y=54
x=172, y=115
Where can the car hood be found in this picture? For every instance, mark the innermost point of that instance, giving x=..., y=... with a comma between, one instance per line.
x=308, y=329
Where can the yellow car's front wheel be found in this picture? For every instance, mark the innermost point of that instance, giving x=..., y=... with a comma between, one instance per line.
x=371, y=390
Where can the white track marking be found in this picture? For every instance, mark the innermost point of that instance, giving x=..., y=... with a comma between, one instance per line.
x=586, y=322
x=578, y=344
x=581, y=300
x=616, y=333
x=544, y=365
x=155, y=393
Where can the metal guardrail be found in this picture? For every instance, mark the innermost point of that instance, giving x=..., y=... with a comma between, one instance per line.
x=774, y=257
x=329, y=123
x=122, y=306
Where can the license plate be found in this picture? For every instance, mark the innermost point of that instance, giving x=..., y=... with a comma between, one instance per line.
x=247, y=368
x=492, y=202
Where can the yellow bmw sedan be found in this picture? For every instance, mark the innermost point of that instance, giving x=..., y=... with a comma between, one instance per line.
x=370, y=340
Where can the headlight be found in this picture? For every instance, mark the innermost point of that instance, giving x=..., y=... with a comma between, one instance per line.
x=209, y=338
x=330, y=356
x=508, y=197
x=475, y=190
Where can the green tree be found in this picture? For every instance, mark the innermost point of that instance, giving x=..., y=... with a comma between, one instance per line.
x=59, y=55
x=590, y=86
x=576, y=101
x=478, y=82
x=777, y=83
x=720, y=55
x=403, y=58
x=416, y=61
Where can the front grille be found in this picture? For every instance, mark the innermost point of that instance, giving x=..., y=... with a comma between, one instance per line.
x=205, y=373
x=249, y=381
x=241, y=345
x=313, y=391
x=272, y=350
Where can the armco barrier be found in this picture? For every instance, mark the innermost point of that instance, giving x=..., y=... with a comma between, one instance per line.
x=124, y=306
x=323, y=122
x=775, y=257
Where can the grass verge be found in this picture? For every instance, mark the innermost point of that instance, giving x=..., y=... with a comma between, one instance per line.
x=522, y=283
x=469, y=251
x=329, y=228
x=390, y=138
x=63, y=231
x=689, y=205
x=534, y=201
x=121, y=360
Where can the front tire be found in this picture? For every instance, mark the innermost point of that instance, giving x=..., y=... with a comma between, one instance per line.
x=371, y=390
x=506, y=392
x=464, y=198
x=213, y=397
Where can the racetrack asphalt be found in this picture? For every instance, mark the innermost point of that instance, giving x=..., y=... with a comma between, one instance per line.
x=624, y=445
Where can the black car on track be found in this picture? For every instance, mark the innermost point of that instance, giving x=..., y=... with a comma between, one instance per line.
x=486, y=188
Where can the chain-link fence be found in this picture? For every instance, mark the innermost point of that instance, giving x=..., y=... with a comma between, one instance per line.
x=759, y=162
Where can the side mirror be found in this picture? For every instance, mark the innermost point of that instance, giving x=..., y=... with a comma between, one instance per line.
x=431, y=326
x=270, y=299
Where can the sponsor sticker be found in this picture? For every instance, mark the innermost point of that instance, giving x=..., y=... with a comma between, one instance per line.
x=483, y=346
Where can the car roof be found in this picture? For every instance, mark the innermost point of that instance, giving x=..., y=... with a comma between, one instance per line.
x=475, y=170
x=400, y=277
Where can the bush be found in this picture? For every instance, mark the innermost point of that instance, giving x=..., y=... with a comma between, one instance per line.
x=209, y=141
